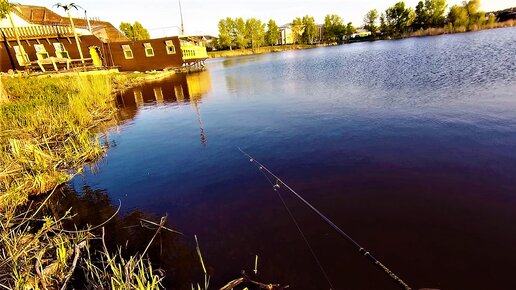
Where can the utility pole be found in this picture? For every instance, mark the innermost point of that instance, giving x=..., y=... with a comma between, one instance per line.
x=182, y=24
x=67, y=8
x=87, y=20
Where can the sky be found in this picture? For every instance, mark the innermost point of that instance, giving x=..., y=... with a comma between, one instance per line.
x=162, y=17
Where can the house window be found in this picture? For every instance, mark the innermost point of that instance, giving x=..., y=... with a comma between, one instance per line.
x=128, y=53
x=171, y=49
x=60, y=50
x=149, y=51
x=41, y=52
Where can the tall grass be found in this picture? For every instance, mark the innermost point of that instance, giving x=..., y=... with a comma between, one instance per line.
x=448, y=29
x=47, y=132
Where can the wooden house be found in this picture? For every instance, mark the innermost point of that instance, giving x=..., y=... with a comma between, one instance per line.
x=44, y=40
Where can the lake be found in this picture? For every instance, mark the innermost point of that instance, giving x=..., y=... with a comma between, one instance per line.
x=408, y=145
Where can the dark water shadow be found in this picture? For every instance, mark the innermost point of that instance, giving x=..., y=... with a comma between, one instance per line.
x=170, y=252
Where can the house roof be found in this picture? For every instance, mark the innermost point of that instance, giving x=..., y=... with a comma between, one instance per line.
x=113, y=34
x=37, y=14
x=44, y=16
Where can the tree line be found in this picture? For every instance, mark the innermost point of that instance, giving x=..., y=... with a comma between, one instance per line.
x=252, y=33
x=134, y=31
x=396, y=20
x=399, y=19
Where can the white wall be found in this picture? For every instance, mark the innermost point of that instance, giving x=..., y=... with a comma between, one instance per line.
x=18, y=21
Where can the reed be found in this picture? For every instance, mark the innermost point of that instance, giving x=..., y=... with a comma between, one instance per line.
x=47, y=132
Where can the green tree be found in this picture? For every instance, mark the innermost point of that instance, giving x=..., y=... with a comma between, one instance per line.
x=226, y=27
x=297, y=29
x=333, y=27
x=240, y=33
x=310, y=29
x=384, y=27
x=472, y=8
x=134, y=31
x=458, y=16
x=5, y=9
x=370, y=21
x=421, y=20
x=399, y=18
x=435, y=10
x=350, y=29
x=273, y=34
x=255, y=32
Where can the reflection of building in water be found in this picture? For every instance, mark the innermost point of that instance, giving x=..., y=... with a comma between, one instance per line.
x=179, y=89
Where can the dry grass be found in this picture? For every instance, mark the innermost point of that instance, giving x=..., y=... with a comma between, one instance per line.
x=451, y=29
x=47, y=132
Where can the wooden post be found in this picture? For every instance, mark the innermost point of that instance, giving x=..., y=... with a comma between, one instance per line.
x=76, y=36
x=15, y=31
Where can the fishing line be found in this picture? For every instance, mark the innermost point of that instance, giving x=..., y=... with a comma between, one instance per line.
x=277, y=188
x=360, y=249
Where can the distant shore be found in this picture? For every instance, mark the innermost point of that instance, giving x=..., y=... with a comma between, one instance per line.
x=261, y=50
x=419, y=33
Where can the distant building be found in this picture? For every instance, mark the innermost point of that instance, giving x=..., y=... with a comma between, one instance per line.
x=360, y=33
x=286, y=36
x=43, y=40
x=319, y=37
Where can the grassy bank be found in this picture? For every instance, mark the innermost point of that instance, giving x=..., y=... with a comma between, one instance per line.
x=450, y=29
x=438, y=31
x=48, y=131
x=259, y=50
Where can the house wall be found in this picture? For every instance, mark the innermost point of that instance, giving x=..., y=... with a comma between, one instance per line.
x=17, y=20
x=286, y=36
x=8, y=57
x=111, y=53
x=140, y=62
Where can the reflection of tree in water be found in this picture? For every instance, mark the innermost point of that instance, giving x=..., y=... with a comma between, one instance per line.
x=171, y=252
x=230, y=62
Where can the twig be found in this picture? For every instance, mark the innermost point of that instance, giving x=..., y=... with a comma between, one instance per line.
x=165, y=228
x=104, y=245
x=233, y=284
x=38, y=271
x=160, y=226
x=246, y=279
x=74, y=263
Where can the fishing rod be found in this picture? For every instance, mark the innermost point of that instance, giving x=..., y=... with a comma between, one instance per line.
x=360, y=249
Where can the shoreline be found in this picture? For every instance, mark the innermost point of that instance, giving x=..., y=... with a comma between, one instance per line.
x=280, y=48
x=263, y=50
x=51, y=129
